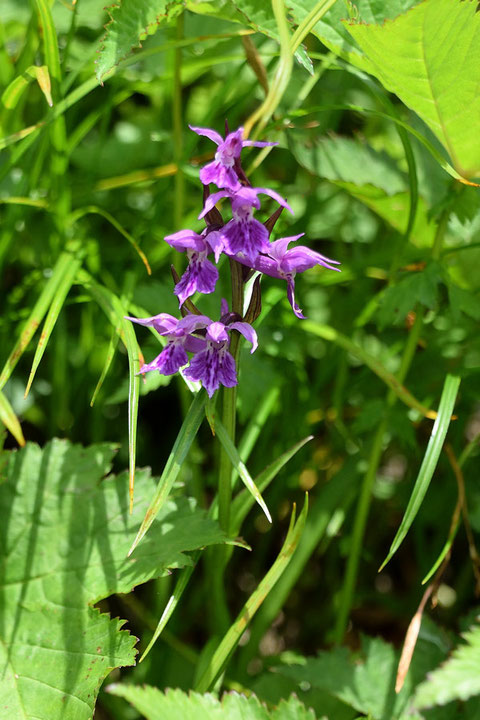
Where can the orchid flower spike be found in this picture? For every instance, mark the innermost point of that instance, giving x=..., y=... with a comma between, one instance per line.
x=222, y=170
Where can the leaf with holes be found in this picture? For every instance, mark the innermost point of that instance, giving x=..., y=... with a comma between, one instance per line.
x=65, y=531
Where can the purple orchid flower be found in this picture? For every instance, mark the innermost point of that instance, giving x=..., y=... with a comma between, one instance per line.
x=201, y=275
x=222, y=170
x=244, y=236
x=212, y=364
x=280, y=262
x=178, y=334
x=215, y=366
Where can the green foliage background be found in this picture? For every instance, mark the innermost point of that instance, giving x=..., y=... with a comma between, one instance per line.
x=377, y=125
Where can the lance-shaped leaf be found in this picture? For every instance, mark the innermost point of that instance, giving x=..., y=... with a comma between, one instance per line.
x=430, y=58
x=65, y=532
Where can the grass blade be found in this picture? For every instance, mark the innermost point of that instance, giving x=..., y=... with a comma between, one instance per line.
x=36, y=316
x=239, y=466
x=234, y=633
x=10, y=420
x=244, y=500
x=63, y=288
x=439, y=431
x=112, y=346
x=182, y=444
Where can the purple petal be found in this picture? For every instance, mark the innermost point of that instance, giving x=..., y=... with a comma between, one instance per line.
x=245, y=237
x=302, y=258
x=244, y=200
x=195, y=344
x=256, y=143
x=219, y=174
x=247, y=331
x=223, y=307
x=291, y=298
x=186, y=239
x=192, y=322
x=275, y=196
x=212, y=367
x=201, y=275
x=278, y=248
x=212, y=200
x=163, y=323
x=214, y=240
x=171, y=359
x=231, y=148
x=266, y=265
x=216, y=332
x=207, y=132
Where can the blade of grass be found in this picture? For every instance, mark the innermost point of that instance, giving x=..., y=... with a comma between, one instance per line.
x=244, y=501
x=13, y=92
x=182, y=444
x=61, y=293
x=329, y=333
x=235, y=632
x=112, y=346
x=430, y=460
x=239, y=466
x=36, y=315
x=94, y=210
x=254, y=427
x=10, y=420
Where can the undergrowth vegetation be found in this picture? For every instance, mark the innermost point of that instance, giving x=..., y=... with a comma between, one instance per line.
x=284, y=534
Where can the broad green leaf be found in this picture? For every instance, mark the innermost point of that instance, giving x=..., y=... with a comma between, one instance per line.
x=351, y=161
x=130, y=22
x=457, y=679
x=366, y=680
x=417, y=287
x=333, y=33
x=177, y=705
x=65, y=535
x=427, y=468
x=185, y=437
x=430, y=58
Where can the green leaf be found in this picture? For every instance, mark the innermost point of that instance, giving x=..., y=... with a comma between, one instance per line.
x=457, y=679
x=177, y=705
x=130, y=21
x=430, y=58
x=416, y=287
x=425, y=474
x=10, y=420
x=333, y=33
x=345, y=160
x=185, y=437
x=365, y=681
x=65, y=535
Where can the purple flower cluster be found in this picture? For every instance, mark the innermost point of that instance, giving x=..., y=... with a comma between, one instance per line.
x=243, y=238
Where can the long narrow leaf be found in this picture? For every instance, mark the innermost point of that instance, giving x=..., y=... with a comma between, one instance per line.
x=61, y=293
x=434, y=447
x=185, y=437
x=10, y=420
x=235, y=632
x=244, y=500
x=239, y=466
x=36, y=316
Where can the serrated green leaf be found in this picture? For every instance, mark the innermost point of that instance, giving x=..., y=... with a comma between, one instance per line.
x=457, y=679
x=345, y=160
x=366, y=682
x=416, y=287
x=177, y=705
x=438, y=75
x=65, y=536
x=129, y=22
x=332, y=32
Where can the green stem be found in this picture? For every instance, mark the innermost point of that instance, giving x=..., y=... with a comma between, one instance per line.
x=177, y=110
